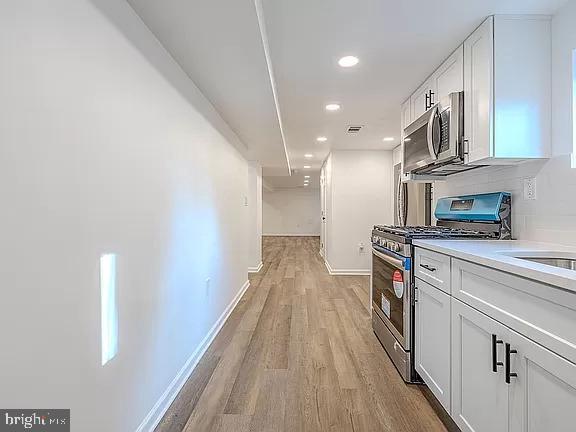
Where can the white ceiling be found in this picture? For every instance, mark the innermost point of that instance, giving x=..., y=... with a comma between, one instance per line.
x=399, y=42
x=219, y=45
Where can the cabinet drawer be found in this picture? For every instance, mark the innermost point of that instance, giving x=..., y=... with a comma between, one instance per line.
x=433, y=268
x=543, y=313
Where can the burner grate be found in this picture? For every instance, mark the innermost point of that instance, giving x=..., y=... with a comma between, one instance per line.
x=432, y=231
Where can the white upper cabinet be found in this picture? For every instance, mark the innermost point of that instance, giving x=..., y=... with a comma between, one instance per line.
x=449, y=77
x=420, y=99
x=507, y=90
x=478, y=98
x=406, y=115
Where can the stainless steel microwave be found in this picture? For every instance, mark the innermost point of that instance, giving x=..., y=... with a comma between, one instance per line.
x=433, y=143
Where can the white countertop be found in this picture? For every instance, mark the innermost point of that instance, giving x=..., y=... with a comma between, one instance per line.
x=499, y=254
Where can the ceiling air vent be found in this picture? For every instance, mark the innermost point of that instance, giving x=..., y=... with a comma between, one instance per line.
x=353, y=129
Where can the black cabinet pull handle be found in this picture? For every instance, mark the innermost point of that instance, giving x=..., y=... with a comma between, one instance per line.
x=431, y=98
x=495, y=362
x=427, y=103
x=508, y=373
x=427, y=267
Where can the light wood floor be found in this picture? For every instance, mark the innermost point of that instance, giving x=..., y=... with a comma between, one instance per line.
x=298, y=354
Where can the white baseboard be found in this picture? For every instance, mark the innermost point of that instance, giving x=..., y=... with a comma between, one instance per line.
x=290, y=235
x=159, y=409
x=345, y=272
x=256, y=269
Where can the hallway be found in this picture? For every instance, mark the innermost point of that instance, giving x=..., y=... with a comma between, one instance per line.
x=298, y=354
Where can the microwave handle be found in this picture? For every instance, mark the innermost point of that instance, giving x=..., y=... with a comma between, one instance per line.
x=433, y=113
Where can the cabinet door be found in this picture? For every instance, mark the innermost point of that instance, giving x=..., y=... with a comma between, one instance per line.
x=449, y=77
x=406, y=115
x=478, y=94
x=543, y=395
x=479, y=395
x=418, y=99
x=432, y=347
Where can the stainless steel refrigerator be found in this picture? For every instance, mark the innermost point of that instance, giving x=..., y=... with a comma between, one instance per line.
x=412, y=201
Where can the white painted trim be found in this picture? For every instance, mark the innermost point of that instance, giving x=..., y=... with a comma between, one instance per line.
x=161, y=406
x=256, y=269
x=268, y=57
x=345, y=272
x=290, y=235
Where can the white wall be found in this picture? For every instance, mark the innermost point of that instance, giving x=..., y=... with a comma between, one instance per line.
x=360, y=190
x=294, y=211
x=107, y=147
x=255, y=216
x=552, y=216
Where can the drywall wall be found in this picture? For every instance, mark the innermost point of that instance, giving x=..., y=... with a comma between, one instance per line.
x=107, y=147
x=551, y=217
x=359, y=196
x=255, y=216
x=294, y=211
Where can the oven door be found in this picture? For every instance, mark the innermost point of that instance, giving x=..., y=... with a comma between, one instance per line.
x=391, y=296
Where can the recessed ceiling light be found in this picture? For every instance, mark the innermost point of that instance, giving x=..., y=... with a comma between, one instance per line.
x=306, y=166
x=305, y=184
x=348, y=61
x=307, y=177
x=332, y=107
x=388, y=139
x=321, y=139
x=308, y=155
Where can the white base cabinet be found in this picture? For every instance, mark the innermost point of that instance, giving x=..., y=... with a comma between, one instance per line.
x=543, y=394
x=497, y=350
x=432, y=340
x=479, y=395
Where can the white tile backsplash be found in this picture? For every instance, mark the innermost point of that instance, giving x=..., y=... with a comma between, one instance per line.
x=551, y=217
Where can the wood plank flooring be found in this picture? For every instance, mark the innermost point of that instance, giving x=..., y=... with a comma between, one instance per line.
x=298, y=354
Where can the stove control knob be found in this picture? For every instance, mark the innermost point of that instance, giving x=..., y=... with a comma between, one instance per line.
x=397, y=247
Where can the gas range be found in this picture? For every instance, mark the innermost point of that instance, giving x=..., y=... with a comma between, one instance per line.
x=485, y=216
x=395, y=238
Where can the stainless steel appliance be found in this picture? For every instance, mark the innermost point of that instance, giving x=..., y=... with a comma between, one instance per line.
x=433, y=143
x=411, y=201
x=485, y=216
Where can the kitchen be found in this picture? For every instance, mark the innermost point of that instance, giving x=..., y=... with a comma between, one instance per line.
x=289, y=215
x=453, y=299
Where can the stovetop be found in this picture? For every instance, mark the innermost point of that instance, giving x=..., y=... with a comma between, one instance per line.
x=420, y=232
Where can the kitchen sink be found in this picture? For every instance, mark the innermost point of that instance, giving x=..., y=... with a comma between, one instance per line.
x=565, y=263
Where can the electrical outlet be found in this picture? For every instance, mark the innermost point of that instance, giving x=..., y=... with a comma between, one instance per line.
x=361, y=249
x=530, y=188
x=207, y=293
x=245, y=201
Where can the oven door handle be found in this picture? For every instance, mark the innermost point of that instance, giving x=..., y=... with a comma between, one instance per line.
x=389, y=259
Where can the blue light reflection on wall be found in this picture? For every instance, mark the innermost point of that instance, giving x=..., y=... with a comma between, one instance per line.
x=517, y=125
x=109, y=309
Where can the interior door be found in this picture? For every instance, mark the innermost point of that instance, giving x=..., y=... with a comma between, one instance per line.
x=479, y=395
x=543, y=394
